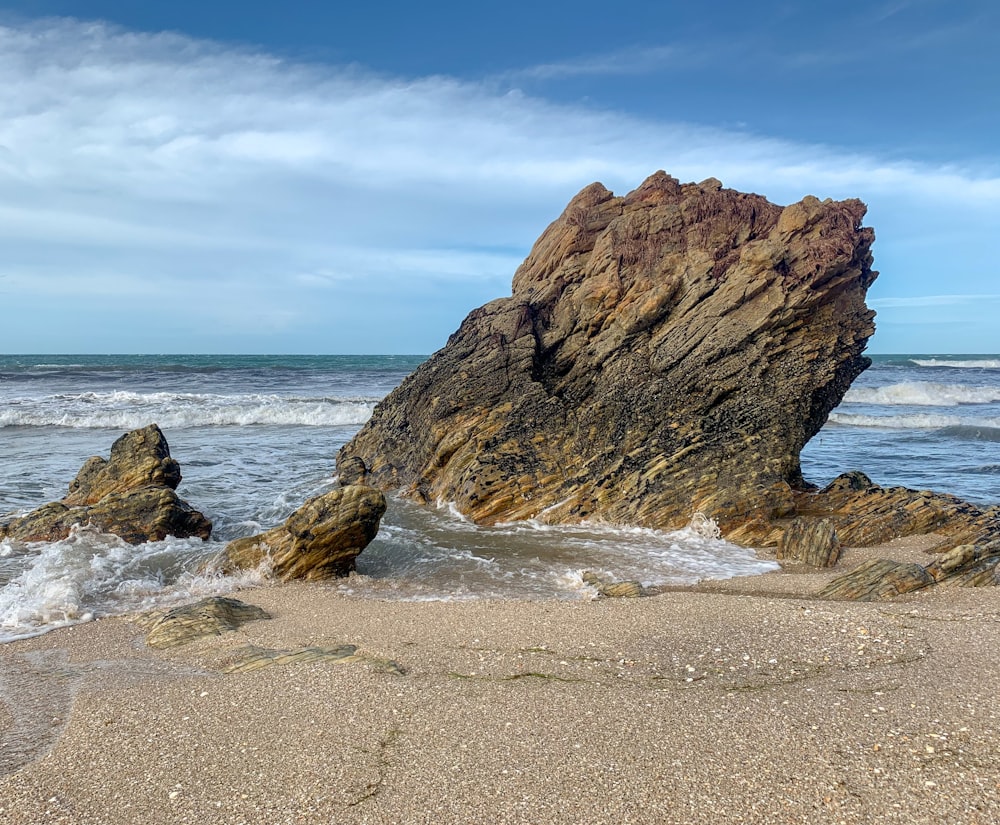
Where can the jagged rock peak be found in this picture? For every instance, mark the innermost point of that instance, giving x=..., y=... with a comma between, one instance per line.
x=662, y=353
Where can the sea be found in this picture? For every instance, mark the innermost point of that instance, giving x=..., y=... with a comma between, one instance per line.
x=256, y=436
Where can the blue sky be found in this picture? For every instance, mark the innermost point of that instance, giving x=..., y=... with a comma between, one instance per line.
x=317, y=177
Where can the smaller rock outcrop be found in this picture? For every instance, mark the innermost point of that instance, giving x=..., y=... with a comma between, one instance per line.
x=140, y=458
x=857, y=512
x=131, y=495
x=320, y=540
x=810, y=541
x=967, y=565
x=212, y=616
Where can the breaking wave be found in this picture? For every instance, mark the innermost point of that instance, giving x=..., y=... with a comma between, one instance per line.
x=972, y=363
x=433, y=553
x=923, y=393
x=90, y=573
x=970, y=432
x=980, y=429
x=130, y=410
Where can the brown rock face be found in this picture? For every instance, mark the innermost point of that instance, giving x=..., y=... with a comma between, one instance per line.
x=662, y=353
x=320, y=540
x=140, y=458
x=810, y=541
x=866, y=514
x=130, y=495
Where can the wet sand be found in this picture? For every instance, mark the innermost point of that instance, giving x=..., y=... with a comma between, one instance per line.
x=738, y=701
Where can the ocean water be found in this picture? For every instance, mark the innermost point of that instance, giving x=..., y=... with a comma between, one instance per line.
x=929, y=422
x=257, y=435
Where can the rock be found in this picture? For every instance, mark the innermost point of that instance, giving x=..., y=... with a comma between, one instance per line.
x=140, y=458
x=877, y=579
x=810, y=541
x=968, y=565
x=130, y=495
x=211, y=616
x=320, y=540
x=665, y=353
x=865, y=514
x=613, y=589
x=662, y=353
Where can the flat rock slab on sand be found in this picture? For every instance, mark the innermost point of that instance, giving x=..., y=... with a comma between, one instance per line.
x=686, y=707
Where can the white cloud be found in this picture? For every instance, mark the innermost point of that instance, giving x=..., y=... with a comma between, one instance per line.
x=128, y=156
x=89, y=104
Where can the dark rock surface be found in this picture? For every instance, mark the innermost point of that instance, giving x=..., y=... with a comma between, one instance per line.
x=320, y=540
x=131, y=495
x=662, y=353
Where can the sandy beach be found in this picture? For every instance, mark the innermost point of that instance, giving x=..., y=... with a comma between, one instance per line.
x=738, y=701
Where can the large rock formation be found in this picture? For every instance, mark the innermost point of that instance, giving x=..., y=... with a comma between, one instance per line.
x=131, y=495
x=662, y=353
x=320, y=540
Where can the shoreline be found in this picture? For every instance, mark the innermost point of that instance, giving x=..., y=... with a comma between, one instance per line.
x=740, y=700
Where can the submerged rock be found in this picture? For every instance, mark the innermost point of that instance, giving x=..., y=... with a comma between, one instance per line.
x=613, y=589
x=662, y=353
x=258, y=658
x=320, y=540
x=130, y=495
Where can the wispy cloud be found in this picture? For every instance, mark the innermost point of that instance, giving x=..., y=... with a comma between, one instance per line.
x=634, y=61
x=933, y=301
x=250, y=181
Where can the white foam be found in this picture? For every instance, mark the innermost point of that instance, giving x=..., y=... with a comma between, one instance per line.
x=704, y=526
x=922, y=393
x=90, y=573
x=130, y=410
x=975, y=363
x=916, y=421
x=432, y=552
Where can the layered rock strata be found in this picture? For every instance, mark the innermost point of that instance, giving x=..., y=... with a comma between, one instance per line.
x=863, y=514
x=662, y=353
x=211, y=616
x=131, y=495
x=813, y=542
x=320, y=540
